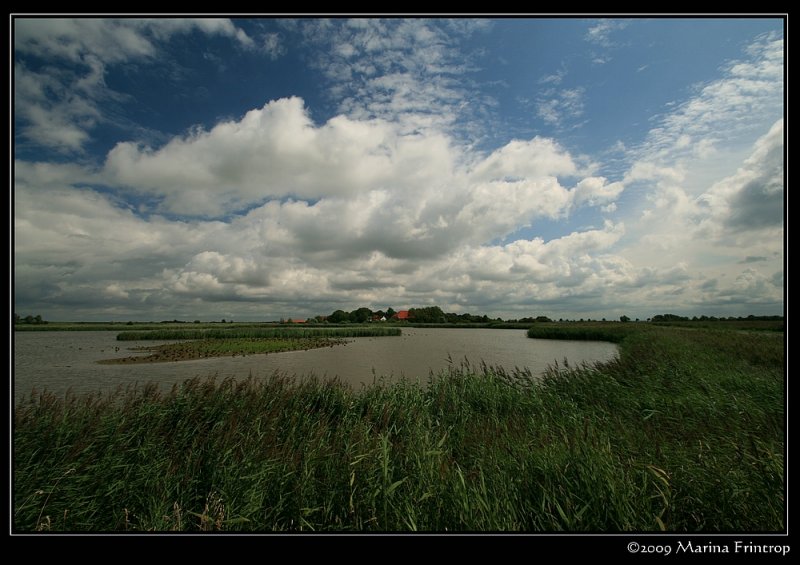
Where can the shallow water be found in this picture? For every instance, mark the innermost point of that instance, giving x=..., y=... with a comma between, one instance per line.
x=58, y=361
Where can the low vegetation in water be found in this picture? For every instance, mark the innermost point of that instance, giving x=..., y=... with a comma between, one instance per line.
x=238, y=341
x=613, y=332
x=683, y=433
x=204, y=348
x=118, y=326
x=256, y=332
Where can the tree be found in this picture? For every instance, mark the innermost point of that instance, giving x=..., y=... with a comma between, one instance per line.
x=390, y=312
x=361, y=315
x=338, y=317
x=624, y=319
x=428, y=315
x=669, y=318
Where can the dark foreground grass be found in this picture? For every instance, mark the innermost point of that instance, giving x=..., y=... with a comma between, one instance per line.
x=683, y=433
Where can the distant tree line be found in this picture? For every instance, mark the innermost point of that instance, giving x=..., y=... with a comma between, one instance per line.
x=531, y=320
x=750, y=318
x=435, y=315
x=357, y=316
x=421, y=315
x=37, y=319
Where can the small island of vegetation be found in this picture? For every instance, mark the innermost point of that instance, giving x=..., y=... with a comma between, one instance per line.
x=238, y=341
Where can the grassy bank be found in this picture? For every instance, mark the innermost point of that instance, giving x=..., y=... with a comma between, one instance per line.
x=120, y=326
x=613, y=332
x=734, y=325
x=264, y=333
x=141, y=326
x=204, y=348
x=683, y=433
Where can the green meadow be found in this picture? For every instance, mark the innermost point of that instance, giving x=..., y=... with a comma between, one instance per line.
x=684, y=432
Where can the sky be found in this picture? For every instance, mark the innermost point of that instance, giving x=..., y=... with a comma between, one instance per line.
x=255, y=169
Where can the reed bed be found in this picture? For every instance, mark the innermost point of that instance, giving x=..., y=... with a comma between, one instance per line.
x=613, y=332
x=251, y=333
x=683, y=433
x=205, y=348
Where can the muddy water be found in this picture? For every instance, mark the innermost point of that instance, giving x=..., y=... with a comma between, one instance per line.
x=58, y=361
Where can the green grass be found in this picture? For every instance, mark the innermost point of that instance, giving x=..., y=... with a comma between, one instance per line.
x=256, y=332
x=204, y=348
x=737, y=325
x=117, y=326
x=683, y=433
x=608, y=331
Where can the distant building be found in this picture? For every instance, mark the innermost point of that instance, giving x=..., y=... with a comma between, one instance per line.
x=297, y=321
x=401, y=315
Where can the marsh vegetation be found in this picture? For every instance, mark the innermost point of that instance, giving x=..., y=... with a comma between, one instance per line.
x=684, y=432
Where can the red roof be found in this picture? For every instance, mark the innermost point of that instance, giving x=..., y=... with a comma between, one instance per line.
x=401, y=315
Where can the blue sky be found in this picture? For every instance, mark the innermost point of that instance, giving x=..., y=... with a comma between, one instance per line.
x=263, y=168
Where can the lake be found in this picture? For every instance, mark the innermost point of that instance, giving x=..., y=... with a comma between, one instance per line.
x=58, y=361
